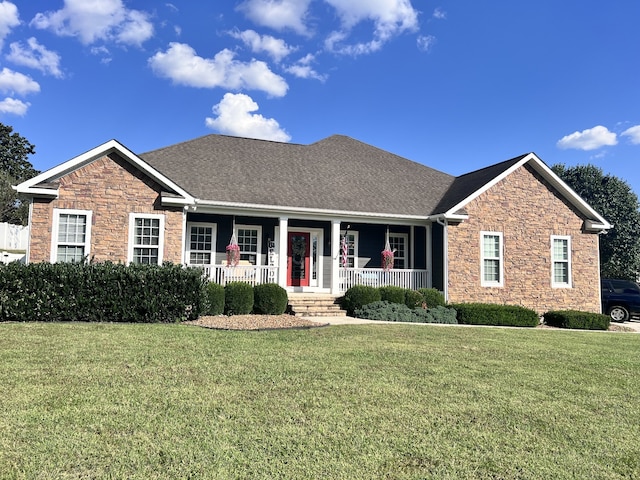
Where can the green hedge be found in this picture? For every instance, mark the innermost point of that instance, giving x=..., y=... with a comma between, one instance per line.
x=578, y=320
x=238, y=298
x=213, y=303
x=270, y=299
x=397, y=312
x=499, y=315
x=358, y=296
x=105, y=292
x=413, y=299
x=393, y=294
x=432, y=297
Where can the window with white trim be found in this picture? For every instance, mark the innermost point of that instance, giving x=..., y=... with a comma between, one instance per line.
x=560, y=261
x=146, y=238
x=249, y=239
x=70, y=235
x=200, y=243
x=398, y=243
x=352, y=249
x=491, y=261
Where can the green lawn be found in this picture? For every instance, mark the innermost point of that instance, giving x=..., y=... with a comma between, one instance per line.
x=361, y=402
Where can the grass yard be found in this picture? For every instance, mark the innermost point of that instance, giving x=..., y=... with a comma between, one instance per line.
x=351, y=402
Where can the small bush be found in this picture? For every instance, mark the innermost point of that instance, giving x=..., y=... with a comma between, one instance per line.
x=432, y=297
x=393, y=294
x=386, y=311
x=238, y=298
x=396, y=312
x=578, y=320
x=413, y=299
x=442, y=314
x=213, y=303
x=270, y=299
x=499, y=315
x=359, y=296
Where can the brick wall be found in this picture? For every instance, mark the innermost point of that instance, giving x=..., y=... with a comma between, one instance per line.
x=527, y=211
x=111, y=188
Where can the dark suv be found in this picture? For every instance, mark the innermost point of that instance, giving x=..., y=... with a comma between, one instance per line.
x=620, y=299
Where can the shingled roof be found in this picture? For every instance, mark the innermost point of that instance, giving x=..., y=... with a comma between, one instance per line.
x=336, y=174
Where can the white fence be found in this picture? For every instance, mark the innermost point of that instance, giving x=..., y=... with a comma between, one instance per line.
x=252, y=274
x=13, y=242
x=377, y=277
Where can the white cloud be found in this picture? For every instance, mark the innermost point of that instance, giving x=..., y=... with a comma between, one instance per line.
x=34, y=55
x=277, y=14
x=13, y=106
x=274, y=47
x=17, y=83
x=234, y=117
x=390, y=18
x=590, y=139
x=302, y=69
x=425, y=42
x=633, y=133
x=9, y=18
x=181, y=64
x=94, y=20
x=439, y=14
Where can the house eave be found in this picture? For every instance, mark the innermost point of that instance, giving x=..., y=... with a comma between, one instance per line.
x=304, y=212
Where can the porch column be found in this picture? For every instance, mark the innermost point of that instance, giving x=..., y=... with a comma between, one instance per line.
x=282, y=252
x=335, y=255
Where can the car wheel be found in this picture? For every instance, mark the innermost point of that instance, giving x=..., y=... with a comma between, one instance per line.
x=619, y=313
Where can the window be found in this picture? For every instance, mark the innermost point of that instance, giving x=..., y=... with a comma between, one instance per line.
x=71, y=235
x=561, y=261
x=146, y=235
x=200, y=243
x=491, y=261
x=398, y=243
x=249, y=240
x=352, y=250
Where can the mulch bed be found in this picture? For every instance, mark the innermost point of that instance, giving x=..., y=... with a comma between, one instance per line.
x=254, y=322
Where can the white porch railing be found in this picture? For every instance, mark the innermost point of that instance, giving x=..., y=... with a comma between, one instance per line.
x=252, y=274
x=377, y=277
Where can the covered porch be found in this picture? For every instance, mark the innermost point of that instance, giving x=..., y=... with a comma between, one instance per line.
x=323, y=255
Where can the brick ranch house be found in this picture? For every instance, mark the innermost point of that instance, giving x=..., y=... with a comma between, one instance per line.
x=511, y=233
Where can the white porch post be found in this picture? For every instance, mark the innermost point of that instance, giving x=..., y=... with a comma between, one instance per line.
x=335, y=255
x=282, y=252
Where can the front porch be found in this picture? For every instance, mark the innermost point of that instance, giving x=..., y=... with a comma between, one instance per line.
x=308, y=255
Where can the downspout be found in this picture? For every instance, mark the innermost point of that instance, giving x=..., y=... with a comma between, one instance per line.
x=445, y=260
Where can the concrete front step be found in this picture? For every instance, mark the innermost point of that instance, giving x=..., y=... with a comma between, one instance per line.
x=315, y=305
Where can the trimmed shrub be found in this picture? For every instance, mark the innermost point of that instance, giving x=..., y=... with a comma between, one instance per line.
x=386, y=311
x=413, y=299
x=432, y=297
x=498, y=315
x=270, y=299
x=396, y=312
x=238, y=298
x=359, y=296
x=442, y=314
x=393, y=294
x=213, y=303
x=104, y=292
x=578, y=320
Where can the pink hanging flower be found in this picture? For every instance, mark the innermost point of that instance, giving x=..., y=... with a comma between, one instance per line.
x=387, y=259
x=233, y=252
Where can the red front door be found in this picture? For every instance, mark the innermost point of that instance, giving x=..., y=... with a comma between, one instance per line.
x=298, y=259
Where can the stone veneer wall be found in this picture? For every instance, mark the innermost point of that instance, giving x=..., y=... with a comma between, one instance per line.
x=527, y=211
x=111, y=188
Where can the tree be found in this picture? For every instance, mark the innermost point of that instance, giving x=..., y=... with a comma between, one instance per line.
x=14, y=168
x=612, y=198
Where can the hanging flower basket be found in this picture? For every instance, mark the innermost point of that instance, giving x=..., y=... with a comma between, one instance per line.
x=233, y=252
x=387, y=257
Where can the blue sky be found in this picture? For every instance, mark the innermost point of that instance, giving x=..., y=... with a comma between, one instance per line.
x=456, y=85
